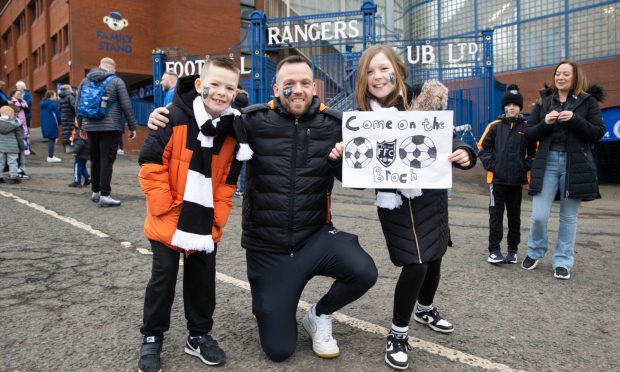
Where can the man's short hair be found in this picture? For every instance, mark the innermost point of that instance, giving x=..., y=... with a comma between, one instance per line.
x=107, y=61
x=292, y=59
x=20, y=83
x=222, y=62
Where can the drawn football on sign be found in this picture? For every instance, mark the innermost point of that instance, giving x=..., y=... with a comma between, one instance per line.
x=417, y=151
x=358, y=152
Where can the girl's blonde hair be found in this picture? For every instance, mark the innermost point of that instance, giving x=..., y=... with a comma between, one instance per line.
x=361, y=82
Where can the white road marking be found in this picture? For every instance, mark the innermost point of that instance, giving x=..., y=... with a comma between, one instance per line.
x=69, y=220
x=429, y=347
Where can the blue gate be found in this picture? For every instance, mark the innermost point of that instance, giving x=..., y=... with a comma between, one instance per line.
x=334, y=43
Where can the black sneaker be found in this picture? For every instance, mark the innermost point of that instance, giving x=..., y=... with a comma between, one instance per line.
x=16, y=180
x=149, y=354
x=432, y=319
x=529, y=263
x=561, y=273
x=75, y=184
x=511, y=257
x=396, y=349
x=86, y=181
x=496, y=257
x=205, y=348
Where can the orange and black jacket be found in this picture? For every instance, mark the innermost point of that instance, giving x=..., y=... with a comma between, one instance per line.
x=505, y=152
x=164, y=162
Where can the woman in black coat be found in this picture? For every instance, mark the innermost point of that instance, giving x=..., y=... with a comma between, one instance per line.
x=67, y=114
x=567, y=122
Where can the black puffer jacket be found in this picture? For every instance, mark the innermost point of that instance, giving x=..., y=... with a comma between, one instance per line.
x=505, y=152
x=67, y=114
x=289, y=178
x=582, y=132
x=418, y=230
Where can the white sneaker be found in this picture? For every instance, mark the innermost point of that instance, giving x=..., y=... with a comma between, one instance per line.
x=320, y=330
x=53, y=159
x=120, y=152
x=108, y=201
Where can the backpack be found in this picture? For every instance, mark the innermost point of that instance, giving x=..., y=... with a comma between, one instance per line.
x=94, y=100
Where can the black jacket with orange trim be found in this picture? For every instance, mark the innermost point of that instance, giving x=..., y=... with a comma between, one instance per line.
x=289, y=178
x=505, y=152
x=164, y=163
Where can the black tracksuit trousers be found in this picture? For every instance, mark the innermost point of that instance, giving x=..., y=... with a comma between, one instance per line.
x=198, y=291
x=278, y=279
x=509, y=196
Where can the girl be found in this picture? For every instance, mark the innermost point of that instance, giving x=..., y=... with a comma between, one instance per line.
x=414, y=221
x=50, y=120
x=567, y=122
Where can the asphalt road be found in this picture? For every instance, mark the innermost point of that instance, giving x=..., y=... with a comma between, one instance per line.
x=73, y=278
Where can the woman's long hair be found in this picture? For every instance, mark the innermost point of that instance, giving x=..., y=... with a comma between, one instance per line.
x=361, y=82
x=580, y=82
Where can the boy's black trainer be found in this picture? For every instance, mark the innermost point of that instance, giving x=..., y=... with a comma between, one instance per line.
x=149, y=354
x=529, y=263
x=205, y=348
x=511, y=257
x=396, y=349
x=496, y=257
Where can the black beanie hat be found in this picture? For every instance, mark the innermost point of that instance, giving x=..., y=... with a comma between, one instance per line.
x=512, y=95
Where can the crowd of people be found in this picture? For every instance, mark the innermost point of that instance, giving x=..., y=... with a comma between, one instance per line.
x=288, y=152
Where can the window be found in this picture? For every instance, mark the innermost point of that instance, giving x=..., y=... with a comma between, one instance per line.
x=20, y=24
x=55, y=44
x=542, y=42
x=39, y=57
x=593, y=33
x=65, y=37
x=7, y=40
x=36, y=7
x=22, y=69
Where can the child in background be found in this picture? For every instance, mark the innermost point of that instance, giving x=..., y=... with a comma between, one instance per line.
x=507, y=156
x=11, y=142
x=180, y=164
x=81, y=152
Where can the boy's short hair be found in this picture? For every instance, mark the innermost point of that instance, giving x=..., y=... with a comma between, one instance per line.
x=222, y=62
x=6, y=110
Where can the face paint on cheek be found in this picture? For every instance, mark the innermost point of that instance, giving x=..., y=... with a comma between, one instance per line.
x=287, y=91
x=392, y=78
x=205, y=92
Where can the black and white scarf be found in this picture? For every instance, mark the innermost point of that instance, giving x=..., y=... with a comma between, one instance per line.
x=194, y=228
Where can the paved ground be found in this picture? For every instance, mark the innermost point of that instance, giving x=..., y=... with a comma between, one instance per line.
x=73, y=279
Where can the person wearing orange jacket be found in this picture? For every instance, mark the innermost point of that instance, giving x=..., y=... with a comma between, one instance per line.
x=188, y=173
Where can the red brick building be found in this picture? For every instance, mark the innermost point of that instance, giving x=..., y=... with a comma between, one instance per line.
x=51, y=42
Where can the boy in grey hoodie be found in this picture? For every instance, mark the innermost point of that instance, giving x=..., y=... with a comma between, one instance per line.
x=11, y=142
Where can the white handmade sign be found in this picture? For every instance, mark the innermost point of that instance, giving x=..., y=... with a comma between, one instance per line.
x=397, y=149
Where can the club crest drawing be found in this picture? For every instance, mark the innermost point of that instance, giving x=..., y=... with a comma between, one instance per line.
x=417, y=151
x=386, y=152
x=358, y=152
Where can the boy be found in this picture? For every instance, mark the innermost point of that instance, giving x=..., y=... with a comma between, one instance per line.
x=188, y=174
x=11, y=142
x=506, y=155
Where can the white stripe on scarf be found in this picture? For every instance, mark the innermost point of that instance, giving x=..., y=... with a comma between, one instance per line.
x=198, y=187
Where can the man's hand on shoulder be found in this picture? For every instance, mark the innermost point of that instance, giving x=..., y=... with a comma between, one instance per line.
x=158, y=118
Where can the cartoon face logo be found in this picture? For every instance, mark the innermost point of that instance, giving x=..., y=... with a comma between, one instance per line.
x=115, y=21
